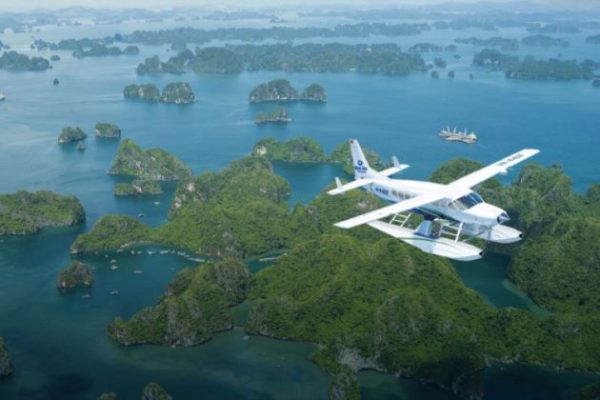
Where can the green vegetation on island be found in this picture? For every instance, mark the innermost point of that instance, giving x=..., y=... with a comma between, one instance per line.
x=71, y=134
x=5, y=364
x=107, y=131
x=277, y=116
x=589, y=392
x=152, y=391
x=532, y=69
x=544, y=41
x=138, y=187
x=13, y=61
x=594, y=39
x=76, y=274
x=151, y=164
x=308, y=57
x=26, y=212
x=100, y=50
x=368, y=301
x=302, y=149
x=194, y=307
x=174, y=92
x=202, y=36
x=495, y=41
x=281, y=90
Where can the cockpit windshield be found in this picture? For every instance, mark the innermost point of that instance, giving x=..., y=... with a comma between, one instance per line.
x=468, y=201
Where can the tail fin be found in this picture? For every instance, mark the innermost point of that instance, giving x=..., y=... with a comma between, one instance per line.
x=359, y=161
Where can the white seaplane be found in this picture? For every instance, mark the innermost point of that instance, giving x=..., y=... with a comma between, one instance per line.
x=453, y=213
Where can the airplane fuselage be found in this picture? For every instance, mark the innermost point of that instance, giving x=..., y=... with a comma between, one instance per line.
x=469, y=208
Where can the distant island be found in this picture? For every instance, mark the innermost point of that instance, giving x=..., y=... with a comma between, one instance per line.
x=308, y=57
x=280, y=90
x=138, y=187
x=594, y=39
x=76, y=274
x=27, y=212
x=152, y=164
x=278, y=116
x=495, y=41
x=13, y=61
x=531, y=69
x=107, y=130
x=174, y=92
x=544, y=41
x=86, y=47
x=71, y=134
x=5, y=364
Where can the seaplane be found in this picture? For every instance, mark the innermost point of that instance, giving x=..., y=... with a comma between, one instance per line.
x=453, y=214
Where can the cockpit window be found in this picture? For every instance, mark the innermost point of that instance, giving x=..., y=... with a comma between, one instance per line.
x=469, y=200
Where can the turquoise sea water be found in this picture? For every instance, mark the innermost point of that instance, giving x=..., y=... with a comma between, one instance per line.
x=58, y=342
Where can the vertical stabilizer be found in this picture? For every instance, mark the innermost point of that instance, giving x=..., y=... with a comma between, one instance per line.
x=359, y=161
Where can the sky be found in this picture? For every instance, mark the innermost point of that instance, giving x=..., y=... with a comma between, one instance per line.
x=20, y=5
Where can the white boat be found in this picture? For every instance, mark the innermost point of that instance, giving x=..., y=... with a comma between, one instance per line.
x=458, y=136
x=2, y=96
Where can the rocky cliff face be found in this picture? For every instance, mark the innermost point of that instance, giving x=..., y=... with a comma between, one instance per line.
x=5, y=364
x=71, y=134
x=194, y=307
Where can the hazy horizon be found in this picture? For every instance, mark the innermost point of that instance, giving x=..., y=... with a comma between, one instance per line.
x=17, y=5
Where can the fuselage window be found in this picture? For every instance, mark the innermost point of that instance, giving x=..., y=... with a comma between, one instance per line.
x=468, y=201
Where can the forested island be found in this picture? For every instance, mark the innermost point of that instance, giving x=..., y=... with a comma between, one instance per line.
x=532, y=69
x=369, y=301
x=25, y=212
x=544, y=41
x=107, y=130
x=151, y=164
x=202, y=36
x=174, y=93
x=495, y=41
x=85, y=47
x=308, y=57
x=277, y=116
x=280, y=90
x=594, y=39
x=13, y=61
x=71, y=134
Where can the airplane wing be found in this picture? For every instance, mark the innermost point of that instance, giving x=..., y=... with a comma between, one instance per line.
x=402, y=206
x=499, y=167
x=348, y=186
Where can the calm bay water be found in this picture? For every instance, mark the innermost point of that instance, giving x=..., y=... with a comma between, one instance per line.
x=58, y=342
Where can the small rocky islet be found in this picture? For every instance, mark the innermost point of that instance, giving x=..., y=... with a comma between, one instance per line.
x=281, y=90
x=71, y=134
x=107, y=130
x=278, y=116
x=77, y=274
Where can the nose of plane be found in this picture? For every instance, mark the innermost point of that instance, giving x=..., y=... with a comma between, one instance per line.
x=503, y=217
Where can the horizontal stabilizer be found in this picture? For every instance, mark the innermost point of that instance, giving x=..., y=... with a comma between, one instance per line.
x=395, y=168
x=348, y=186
